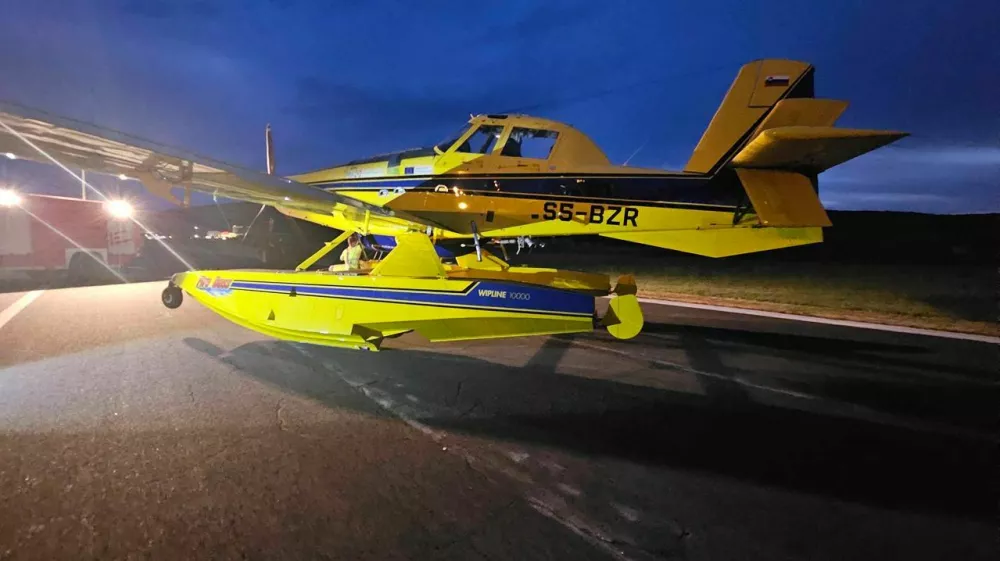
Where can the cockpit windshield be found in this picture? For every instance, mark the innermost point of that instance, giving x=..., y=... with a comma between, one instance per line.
x=451, y=139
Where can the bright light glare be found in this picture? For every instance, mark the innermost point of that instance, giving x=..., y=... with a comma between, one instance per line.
x=463, y=205
x=9, y=197
x=83, y=181
x=123, y=177
x=10, y=156
x=119, y=209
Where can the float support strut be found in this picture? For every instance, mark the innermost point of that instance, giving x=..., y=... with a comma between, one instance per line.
x=327, y=248
x=368, y=219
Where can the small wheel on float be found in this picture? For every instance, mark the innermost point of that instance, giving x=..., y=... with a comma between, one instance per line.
x=172, y=297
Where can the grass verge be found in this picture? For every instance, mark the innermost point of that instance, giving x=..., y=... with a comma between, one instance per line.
x=960, y=298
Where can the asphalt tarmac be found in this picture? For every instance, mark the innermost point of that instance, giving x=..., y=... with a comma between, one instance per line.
x=129, y=431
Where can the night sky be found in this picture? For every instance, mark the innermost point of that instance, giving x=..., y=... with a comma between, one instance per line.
x=641, y=78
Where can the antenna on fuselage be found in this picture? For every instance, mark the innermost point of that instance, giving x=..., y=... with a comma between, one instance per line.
x=269, y=150
x=269, y=145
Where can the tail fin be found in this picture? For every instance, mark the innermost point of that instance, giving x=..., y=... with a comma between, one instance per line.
x=758, y=87
x=778, y=138
x=775, y=138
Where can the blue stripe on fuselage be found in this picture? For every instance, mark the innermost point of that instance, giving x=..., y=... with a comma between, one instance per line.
x=377, y=184
x=719, y=192
x=486, y=294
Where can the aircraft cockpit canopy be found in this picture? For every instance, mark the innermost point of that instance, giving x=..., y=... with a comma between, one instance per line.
x=520, y=136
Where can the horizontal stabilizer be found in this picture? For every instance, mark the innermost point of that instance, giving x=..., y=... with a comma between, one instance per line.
x=810, y=150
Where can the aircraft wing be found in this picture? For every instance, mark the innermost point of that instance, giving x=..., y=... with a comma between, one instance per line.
x=36, y=135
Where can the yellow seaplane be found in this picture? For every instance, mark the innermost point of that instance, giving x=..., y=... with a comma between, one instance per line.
x=750, y=185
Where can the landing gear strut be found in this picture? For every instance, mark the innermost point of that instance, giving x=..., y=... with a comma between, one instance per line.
x=475, y=238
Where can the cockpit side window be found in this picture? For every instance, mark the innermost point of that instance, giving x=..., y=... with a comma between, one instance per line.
x=482, y=141
x=530, y=143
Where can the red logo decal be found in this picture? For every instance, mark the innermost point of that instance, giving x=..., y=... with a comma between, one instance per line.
x=218, y=284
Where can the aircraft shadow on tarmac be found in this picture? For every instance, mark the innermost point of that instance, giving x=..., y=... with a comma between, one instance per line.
x=871, y=353
x=893, y=382
x=723, y=432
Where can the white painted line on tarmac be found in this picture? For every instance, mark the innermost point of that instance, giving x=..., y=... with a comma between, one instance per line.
x=826, y=321
x=559, y=512
x=18, y=305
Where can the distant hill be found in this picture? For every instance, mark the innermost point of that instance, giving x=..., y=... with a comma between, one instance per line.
x=911, y=236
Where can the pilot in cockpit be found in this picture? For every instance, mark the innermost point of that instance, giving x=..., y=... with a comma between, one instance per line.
x=513, y=146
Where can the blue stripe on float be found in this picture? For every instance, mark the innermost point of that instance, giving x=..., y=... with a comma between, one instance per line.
x=285, y=286
x=489, y=295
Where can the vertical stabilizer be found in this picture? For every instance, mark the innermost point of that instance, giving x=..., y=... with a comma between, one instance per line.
x=758, y=87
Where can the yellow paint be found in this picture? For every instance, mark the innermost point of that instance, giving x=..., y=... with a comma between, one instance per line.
x=804, y=111
x=624, y=318
x=757, y=126
x=783, y=198
x=725, y=242
x=788, y=137
x=489, y=262
x=590, y=283
x=811, y=148
x=363, y=322
x=413, y=256
x=748, y=99
x=573, y=151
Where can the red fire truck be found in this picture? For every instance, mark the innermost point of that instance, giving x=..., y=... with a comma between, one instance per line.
x=48, y=236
